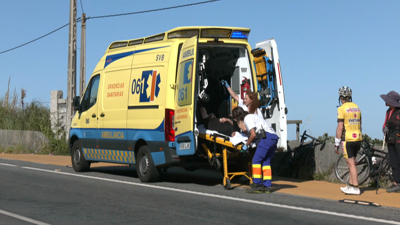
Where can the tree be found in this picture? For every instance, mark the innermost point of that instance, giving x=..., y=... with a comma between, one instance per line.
x=329, y=139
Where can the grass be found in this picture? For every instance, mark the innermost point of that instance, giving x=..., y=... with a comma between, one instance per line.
x=327, y=175
x=34, y=116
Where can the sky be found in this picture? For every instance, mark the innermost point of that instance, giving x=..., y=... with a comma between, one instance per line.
x=322, y=44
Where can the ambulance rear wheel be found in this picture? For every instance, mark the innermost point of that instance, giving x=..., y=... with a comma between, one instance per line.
x=146, y=169
x=79, y=162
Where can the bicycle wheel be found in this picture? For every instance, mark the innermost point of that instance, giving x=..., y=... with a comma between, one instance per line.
x=362, y=164
x=284, y=163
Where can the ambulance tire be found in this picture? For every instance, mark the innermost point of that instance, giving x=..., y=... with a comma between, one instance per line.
x=146, y=169
x=79, y=162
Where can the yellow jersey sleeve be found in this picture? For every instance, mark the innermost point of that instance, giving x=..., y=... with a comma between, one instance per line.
x=340, y=114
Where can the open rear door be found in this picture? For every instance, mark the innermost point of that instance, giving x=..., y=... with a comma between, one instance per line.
x=275, y=107
x=185, y=98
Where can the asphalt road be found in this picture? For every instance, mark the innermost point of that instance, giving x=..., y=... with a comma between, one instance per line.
x=32, y=193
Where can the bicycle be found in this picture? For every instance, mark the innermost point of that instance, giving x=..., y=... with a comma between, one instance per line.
x=366, y=168
x=293, y=158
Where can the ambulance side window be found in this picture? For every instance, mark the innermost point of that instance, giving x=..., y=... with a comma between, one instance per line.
x=90, y=97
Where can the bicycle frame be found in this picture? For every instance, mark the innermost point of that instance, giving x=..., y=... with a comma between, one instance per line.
x=295, y=155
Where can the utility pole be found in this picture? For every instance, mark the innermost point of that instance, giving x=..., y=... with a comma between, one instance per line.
x=82, y=73
x=71, y=85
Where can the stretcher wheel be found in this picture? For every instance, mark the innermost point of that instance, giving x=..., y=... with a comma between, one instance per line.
x=226, y=183
x=217, y=163
x=210, y=161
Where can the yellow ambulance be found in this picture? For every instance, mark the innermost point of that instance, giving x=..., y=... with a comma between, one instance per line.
x=140, y=105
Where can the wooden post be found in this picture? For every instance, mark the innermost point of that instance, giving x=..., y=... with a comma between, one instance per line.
x=297, y=122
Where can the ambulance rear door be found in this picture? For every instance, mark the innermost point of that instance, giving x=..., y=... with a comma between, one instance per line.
x=275, y=110
x=185, y=98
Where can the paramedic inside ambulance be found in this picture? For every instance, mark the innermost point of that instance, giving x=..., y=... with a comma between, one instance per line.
x=250, y=103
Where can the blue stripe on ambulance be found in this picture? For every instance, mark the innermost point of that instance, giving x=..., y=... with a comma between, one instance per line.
x=122, y=156
x=113, y=58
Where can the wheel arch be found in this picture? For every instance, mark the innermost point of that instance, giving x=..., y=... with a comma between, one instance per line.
x=138, y=144
x=72, y=139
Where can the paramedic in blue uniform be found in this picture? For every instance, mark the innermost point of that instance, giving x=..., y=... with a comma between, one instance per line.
x=258, y=129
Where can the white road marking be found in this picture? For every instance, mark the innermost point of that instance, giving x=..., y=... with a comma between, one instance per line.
x=225, y=197
x=6, y=164
x=22, y=218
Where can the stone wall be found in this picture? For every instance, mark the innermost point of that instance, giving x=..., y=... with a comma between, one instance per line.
x=31, y=140
x=324, y=159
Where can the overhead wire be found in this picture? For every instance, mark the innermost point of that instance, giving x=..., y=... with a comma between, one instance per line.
x=82, y=6
x=98, y=17
x=152, y=10
x=35, y=39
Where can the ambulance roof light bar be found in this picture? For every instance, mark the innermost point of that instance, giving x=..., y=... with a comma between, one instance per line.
x=158, y=37
x=135, y=42
x=215, y=33
x=183, y=34
x=238, y=34
x=119, y=44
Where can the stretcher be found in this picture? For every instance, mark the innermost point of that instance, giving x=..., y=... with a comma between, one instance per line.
x=215, y=146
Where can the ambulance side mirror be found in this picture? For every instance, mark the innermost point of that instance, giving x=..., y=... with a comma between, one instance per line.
x=76, y=101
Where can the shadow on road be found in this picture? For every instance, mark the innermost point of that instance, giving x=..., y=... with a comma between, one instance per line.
x=206, y=177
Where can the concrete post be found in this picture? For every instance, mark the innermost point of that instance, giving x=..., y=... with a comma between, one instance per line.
x=82, y=73
x=55, y=95
x=71, y=87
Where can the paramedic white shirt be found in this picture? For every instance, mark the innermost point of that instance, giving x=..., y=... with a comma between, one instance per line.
x=240, y=103
x=254, y=121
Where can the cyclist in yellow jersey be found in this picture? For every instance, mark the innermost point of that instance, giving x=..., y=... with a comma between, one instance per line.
x=348, y=133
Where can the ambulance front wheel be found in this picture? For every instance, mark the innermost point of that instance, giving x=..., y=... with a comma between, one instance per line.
x=146, y=169
x=79, y=162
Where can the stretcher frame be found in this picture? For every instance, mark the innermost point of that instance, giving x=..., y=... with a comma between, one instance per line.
x=212, y=157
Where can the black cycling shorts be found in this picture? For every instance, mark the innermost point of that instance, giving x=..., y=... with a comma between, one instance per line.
x=350, y=149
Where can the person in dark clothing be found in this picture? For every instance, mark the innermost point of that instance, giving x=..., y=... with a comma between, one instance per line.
x=211, y=122
x=391, y=129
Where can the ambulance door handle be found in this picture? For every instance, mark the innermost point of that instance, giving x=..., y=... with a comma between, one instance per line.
x=93, y=115
x=102, y=114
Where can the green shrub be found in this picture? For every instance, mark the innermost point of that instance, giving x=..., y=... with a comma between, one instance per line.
x=33, y=116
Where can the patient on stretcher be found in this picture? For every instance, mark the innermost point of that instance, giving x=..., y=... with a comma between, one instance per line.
x=211, y=122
